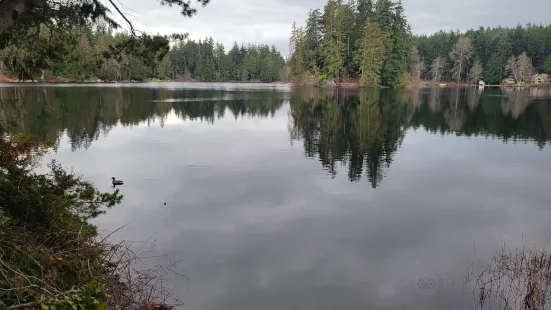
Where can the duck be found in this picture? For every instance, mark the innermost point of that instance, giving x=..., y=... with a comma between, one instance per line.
x=117, y=182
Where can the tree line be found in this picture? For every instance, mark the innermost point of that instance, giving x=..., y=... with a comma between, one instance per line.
x=365, y=39
x=371, y=41
x=207, y=60
x=96, y=51
x=488, y=54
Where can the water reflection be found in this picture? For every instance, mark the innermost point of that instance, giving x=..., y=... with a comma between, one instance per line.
x=361, y=130
x=364, y=129
x=261, y=227
x=86, y=113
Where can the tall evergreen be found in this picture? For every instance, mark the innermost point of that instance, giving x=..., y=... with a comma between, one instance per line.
x=313, y=38
x=370, y=55
x=334, y=46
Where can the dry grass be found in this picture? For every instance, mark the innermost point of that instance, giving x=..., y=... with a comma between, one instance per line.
x=34, y=274
x=515, y=279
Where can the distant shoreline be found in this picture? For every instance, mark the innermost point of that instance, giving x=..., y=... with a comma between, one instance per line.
x=342, y=85
x=420, y=84
x=60, y=80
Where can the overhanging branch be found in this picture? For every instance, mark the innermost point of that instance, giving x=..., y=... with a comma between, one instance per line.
x=124, y=17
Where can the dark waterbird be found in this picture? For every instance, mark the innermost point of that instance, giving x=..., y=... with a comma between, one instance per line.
x=117, y=182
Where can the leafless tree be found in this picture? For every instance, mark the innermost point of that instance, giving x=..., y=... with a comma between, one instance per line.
x=520, y=68
x=512, y=68
x=525, y=68
x=477, y=72
x=437, y=69
x=460, y=55
x=416, y=65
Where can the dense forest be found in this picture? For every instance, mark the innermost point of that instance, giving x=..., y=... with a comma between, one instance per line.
x=371, y=41
x=208, y=61
x=92, y=52
x=490, y=54
x=360, y=38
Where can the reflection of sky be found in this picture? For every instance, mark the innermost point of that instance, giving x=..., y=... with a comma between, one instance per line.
x=264, y=228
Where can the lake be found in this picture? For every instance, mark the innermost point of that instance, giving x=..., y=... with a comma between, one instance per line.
x=281, y=198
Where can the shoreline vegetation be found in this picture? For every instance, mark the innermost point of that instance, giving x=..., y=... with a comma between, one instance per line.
x=351, y=84
x=51, y=257
x=371, y=42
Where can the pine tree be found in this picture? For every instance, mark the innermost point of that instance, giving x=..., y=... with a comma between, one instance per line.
x=298, y=51
x=334, y=48
x=313, y=37
x=547, y=65
x=370, y=54
x=390, y=18
x=494, y=69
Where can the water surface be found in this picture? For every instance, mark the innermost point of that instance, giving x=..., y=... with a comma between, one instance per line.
x=280, y=198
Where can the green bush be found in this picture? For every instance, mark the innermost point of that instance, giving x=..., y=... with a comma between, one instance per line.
x=50, y=257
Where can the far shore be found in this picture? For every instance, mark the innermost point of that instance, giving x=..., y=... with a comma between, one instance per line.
x=342, y=85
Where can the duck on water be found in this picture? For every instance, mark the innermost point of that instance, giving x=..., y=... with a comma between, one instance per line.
x=117, y=182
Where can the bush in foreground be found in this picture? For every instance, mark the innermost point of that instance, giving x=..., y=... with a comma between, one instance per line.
x=51, y=257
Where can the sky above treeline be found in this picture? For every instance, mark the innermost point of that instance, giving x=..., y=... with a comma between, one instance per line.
x=269, y=21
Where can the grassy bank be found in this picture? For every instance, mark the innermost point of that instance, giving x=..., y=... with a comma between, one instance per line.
x=51, y=257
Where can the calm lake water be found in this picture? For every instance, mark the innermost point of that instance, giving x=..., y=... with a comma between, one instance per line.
x=281, y=198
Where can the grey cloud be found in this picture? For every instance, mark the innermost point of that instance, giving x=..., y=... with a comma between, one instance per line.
x=269, y=21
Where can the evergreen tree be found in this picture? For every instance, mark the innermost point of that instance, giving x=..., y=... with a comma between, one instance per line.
x=370, y=54
x=494, y=71
x=298, y=51
x=395, y=66
x=313, y=38
x=334, y=47
x=363, y=13
x=547, y=65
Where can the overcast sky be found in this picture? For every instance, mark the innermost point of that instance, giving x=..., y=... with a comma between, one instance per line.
x=269, y=21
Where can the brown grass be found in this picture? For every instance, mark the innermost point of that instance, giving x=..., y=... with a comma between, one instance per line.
x=516, y=279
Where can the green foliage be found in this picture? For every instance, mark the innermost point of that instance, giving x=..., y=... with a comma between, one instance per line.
x=491, y=46
x=370, y=54
x=494, y=69
x=395, y=64
x=331, y=42
x=547, y=65
x=52, y=35
x=48, y=253
x=26, y=58
x=336, y=20
x=96, y=52
x=313, y=39
x=206, y=60
x=51, y=202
